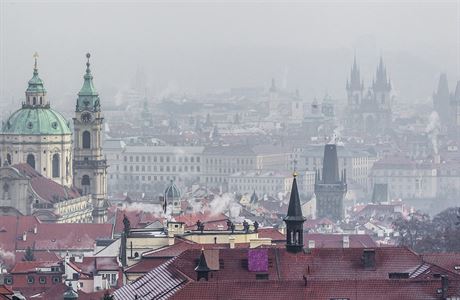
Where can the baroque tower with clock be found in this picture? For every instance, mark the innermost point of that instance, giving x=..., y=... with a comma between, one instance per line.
x=89, y=165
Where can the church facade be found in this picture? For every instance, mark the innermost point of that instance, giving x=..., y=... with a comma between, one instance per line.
x=369, y=110
x=42, y=138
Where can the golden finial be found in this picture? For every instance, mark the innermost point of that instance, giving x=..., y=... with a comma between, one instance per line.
x=295, y=174
x=35, y=56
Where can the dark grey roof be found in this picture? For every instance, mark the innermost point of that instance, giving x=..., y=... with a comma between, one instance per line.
x=330, y=164
x=380, y=193
x=160, y=283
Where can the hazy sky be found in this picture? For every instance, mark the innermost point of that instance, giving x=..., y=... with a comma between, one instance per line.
x=200, y=46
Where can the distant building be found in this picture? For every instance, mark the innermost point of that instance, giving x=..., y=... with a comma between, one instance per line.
x=147, y=168
x=405, y=178
x=357, y=161
x=369, y=111
x=330, y=188
x=262, y=182
x=33, y=194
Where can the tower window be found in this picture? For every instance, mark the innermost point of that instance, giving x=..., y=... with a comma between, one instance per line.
x=34, y=101
x=85, y=184
x=56, y=165
x=31, y=160
x=86, y=140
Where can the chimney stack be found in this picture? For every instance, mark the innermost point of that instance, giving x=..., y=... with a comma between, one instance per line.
x=35, y=229
x=24, y=236
x=444, y=286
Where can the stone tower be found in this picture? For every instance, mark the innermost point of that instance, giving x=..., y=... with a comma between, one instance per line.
x=441, y=100
x=294, y=221
x=90, y=167
x=330, y=189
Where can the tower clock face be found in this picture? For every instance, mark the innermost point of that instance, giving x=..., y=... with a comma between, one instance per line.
x=86, y=117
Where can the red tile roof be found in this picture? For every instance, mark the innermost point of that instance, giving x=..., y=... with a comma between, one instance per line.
x=31, y=266
x=97, y=263
x=137, y=219
x=448, y=261
x=211, y=221
x=46, y=188
x=330, y=289
x=272, y=233
x=49, y=236
x=336, y=240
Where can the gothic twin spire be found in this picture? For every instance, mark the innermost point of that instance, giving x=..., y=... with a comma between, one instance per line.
x=381, y=82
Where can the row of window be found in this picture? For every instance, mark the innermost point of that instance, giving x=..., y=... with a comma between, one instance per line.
x=162, y=168
x=8, y=280
x=180, y=159
x=30, y=159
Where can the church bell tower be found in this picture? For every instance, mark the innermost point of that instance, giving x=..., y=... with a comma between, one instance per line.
x=90, y=167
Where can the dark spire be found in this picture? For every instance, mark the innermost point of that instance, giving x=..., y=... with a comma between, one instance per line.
x=381, y=83
x=294, y=209
x=457, y=92
x=330, y=164
x=355, y=81
x=202, y=269
x=273, y=86
x=294, y=221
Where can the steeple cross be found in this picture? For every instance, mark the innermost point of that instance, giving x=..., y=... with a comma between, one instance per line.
x=35, y=56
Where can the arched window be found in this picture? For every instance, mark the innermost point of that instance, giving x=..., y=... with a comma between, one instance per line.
x=86, y=140
x=34, y=101
x=31, y=160
x=41, y=100
x=85, y=184
x=56, y=166
x=8, y=158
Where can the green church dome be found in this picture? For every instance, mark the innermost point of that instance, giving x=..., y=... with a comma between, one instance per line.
x=40, y=121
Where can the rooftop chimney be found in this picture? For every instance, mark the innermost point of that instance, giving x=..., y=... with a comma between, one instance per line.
x=24, y=236
x=368, y=259
x=444, y=286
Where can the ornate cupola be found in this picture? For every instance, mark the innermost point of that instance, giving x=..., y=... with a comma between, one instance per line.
x=88, y=97
x=294, y=220
x=36, y=93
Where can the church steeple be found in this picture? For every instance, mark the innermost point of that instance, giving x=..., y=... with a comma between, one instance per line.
x=354, y=83
x=381, y=82
x=88, y=97
x=294, y=220
x=36, y=93
x=90, y=165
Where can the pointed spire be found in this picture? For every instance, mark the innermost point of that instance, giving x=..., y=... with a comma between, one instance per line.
x=273, y=86
x=88, y=97
x=294, y=209
x=88, y=88
x=355, y=81
x=35, y=83
x=457, y=92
